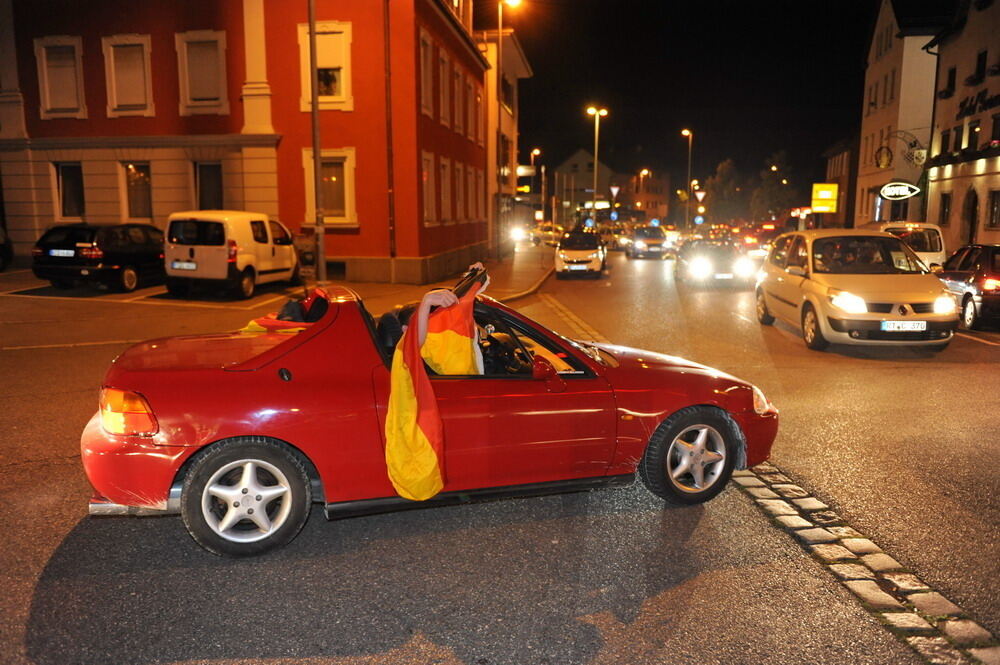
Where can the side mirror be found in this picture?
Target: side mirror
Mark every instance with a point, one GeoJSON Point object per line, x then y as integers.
{"type": "Point", "coordinates": [542, 370]}
{"type": "Point", "coordinates": [798, 271]}
{"type": "Point", "coordinates": [936, 268]}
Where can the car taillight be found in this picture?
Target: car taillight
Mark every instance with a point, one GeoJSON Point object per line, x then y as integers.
{"type": "Point", "coordinates": [37, 251]}
{"type": "Point", "coordinates": [127, 413]}
{"type": "Point", "coordinates": [233, 249]}
{"type": "Point", "coordinates": [92, 252]}
{"type": "Point", "coordinates": [750, 240]}
{"type": "Point", "coordinates": [991, 284]}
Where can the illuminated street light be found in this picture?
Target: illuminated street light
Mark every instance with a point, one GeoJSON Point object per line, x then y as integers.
{"type": "Point", "coordinates": [598, 114]}
{"type": "Point", "coordinates": [687, 204]}
{"type": "Point", "coordinates": [499, 93]}
{"type": "Point", "coordinates": [784, 181]}
{"type": "Point", "coordinates": [774, 167]}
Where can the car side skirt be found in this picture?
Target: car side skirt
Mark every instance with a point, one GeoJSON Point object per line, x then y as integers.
{"type": "Point", "coordinates": [344, 509]}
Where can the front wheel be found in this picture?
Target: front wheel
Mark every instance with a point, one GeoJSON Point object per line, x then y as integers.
{"type": "Point", "coordinates": [763, 315]}
{"type": "Point", "coordinates": [245, 496]}
{"type": "Point", "coordinates": [691, 455]}
{"type": "Point", "coordinates": [970, 317]}
{"type": "Point", "coordinates": [812, 335]}
{"type": "Point", "coordinates": [128, 279]}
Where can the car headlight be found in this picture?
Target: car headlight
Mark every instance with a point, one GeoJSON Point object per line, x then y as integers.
{"type": "Point", "coordinates": [760, 403]}
{"type": "Point", "coordinates": [640, 245]}
{"type": "Point", "coordinates": [593, 255]}
{"type": "Point", "coordinates": [564, 257]}
{"type": "Point", "coordinates": [744, 267]}
{"type": "Point", "coordinates": [700, 267]}
{"type": "Point", "coordinates": [944, 305]}
{"type": "Point", "coordinates": [517, 234]}
{"type": "Point", "coordinates": [848, 302]}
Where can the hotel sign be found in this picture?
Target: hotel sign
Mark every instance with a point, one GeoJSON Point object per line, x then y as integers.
{"type": "Point", "coordinates": [977, 103]}
{"type": "Point", "coordinates": [896, 191]}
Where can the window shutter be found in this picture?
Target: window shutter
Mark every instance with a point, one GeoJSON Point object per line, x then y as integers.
{"type": "Point", "coordinates": [203, 71]}
{"type": "Point", "coordinates": [130, 76]}
{"type": "Point", "coordinates": [60, 62]}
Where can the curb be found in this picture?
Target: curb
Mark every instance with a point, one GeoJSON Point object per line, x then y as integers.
{"type": "Point", "coordinates": [530, 290]}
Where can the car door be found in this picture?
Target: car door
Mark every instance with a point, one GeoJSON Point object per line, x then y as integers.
{"type": "Point", "coordinates": [154, 252]}
{"type": "Point", "coordinates": [282, 249]}
{"type": "Point", "coordinates": [263, 250]}
{"type": "Point", "coordinates": [774, 276]}
{"type": "Point", "coordinates": [959, 273]}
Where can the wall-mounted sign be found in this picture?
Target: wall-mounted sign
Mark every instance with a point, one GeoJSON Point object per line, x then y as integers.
{"type": "Point", "coordinates": [883, 157]}
{"type": "Point", "coordinates": [896, 191]}
{"type": "Point", "coordinates": [824, 197]}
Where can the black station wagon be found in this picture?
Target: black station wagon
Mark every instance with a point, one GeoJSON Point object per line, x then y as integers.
{"type": "Point", "coordinates": [120, 256]}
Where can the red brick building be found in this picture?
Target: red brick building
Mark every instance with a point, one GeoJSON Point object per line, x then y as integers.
{"type": "Point", "coordinates": [118, 110]}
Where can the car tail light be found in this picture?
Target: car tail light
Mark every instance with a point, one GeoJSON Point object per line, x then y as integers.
{"type": "Point", "coordinates": [991, 284]}
{"type": "Point", "coordinates": [750, 240]}
{"type": "Point", "coordinates": [233, 249]}
{"type": "Point", "coordinates": [125, 412]}
{"type": "Point", "coordinates": [92, 252]}
{"type": "Point", "coordinates": [37, 251]}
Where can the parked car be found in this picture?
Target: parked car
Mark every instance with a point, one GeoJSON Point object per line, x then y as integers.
{"type": "Point", "coordinates": [972, 277]}
{"type": "Point", "coordinates": [580, 253]}
{"type": "Point", "coordinates": [854, 287]}
{"type": "Point", "coordinates": [923, 238]}
{"type": "Point", "coordinates": [232, 249]}
{"type": "Point", "coordinates": [708, 261]}
{"type": "Point", "coordinates": [241, 432]}
{"type": "Point", "coordinates": [122, 256]}
{"type": "Point", "coordinates": [6, 249]}
{"type": "Point", "coordinates": [647, 241]}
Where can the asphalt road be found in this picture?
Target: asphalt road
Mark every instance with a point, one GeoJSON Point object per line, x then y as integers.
{"type": "Point", "coordinates": [901, 443]}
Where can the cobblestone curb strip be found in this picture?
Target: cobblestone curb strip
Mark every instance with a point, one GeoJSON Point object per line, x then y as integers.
{"type": "Point", "coordinates": [929, 623]}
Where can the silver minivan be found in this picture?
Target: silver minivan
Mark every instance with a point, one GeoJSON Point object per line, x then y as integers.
{"type": "Point", "coordinates": [233, 249]}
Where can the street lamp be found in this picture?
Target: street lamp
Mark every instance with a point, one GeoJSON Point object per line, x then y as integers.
{"type": "Point", "coordinates": [598, 114]}
{"type": "Point", "coordinates": [687, 204]}
{"type": "Point", "coordinates": [638, 190]}
{"type": "Point", "coordinates": [499, 92]}
{"type": "Point", "coordinates": [535, 153]}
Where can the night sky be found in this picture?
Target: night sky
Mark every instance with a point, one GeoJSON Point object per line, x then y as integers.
{"type": "Point", "coordinates": [749, 78]}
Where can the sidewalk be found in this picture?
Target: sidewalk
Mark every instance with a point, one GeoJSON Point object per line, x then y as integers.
{"type": "Point", "coordinates": [512, 277]}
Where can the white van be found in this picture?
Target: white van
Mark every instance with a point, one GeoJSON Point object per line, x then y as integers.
{"type": "Point", "coordinates": [923, 238]}
{"type": "Point", "coordinates": [234, 249]}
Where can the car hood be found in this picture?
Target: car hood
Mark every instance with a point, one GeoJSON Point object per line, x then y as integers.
{"type": "Point", "coordinates": [888, 288]}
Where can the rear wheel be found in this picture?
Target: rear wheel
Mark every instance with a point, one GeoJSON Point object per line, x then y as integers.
{"type": "Point", "coordinates": [970, 317]}
{"type": "Point", "coordinates": [811, 332]}
{"type": "Point", "coordinates": [246, 285]}
{"type": "Point", "coordinates": [128, 279]}
{"type": "Point", "coordinates": [691, 455]}
{"type": "Point", "coordinates": [763, 315]}
{"type": "Point", "coordinates": [245, 496]}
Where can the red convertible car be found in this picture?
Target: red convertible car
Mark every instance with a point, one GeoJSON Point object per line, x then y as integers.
{"type": "Point", "coordinates": [241, 432]}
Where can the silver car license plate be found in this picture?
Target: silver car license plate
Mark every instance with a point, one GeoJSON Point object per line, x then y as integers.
{"type": "Point", "coordinates": [904, 326]}
{"type": "Point", "coordinates": [184, 265]}
{"type": "Point", "coordinates": [578, 267]}
{"type": "Point", "coordinates": [61, 252]}
{"type": "Point", "coordinates": [723, 275]}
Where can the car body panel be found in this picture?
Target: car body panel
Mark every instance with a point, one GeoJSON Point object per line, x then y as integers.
{"type": "Point", "coordinates": [965, 272]}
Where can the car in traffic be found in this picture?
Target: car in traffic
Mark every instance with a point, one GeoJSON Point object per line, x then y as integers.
{"type": "Point", "coordinates": [233, 250]}
{"type": "Point", "coordinates": [580, 253]}
{"type": "Point", "coordinates": [924, 239]}
{"type": "Point", "coordinates": [711, 262]}
{"type": "Point", "coordinates": [647, 241]}
{"type": "Point", "coordinates": [972, 276]}
{"type": "Point", "coordinates": [546, 232]}
{"type": "Point", "coordinates": [119, 256]}
{"type": "Point", "coordinates": [852, 286]}
{"type": "Point", "coordinates": [241, 432]}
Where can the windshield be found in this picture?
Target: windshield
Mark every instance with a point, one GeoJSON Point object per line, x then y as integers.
{"type": "Point", "coordinates": [704, 248]}
{"type": "Point", "coordinates": [196, 232]}
{"type": "Point", "coordinates": [864, 255]}
{"type": "Point", "coordinates": [919, 240]}
{"type": "Point", "coordinates": [579, 241]}
{"type": "Point", "coordinates": [649, 232]}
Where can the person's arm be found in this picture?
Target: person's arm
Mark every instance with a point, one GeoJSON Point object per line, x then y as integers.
{"type": "Point", "coordinates": [438, 298]}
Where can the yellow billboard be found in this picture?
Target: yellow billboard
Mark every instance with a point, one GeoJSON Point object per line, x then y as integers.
{"type": "Point", "coordinates": [824, 197]}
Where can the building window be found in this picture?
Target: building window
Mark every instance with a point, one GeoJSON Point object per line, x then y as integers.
{"type": "Point", "coordinates": [993, 212]}
{"type": "Point", "coordinates": [128, 75]}
{"type": "Point", "coordinates": [427, 181]}
{"type": "Point", "coordinates": [456, 77]}
{"type": "Point", "coordinates": [337, 185]}
{"type": "Point", "coordinates": [459, 180]}
{"type": "Point", "coordinates": [472, 204]}
{"type": "Point", "coordinates": [885, 90]}
{"type": "Point", "coordinates": [892, 85]}
{"type": "Point", "coordinates": [944, 210]}
{"type": "Point", "coordinates": [980, 73]}
{"type": "Point", "coordinates": [208, 185]}
{"type": "Point", "coordinates": [444, 169]}
{"type": "Point", "coordinates": [507, 93]}
{"type": "Point", "coordinates": [480, 124]}
{"type": "Point", "coordinates": [426, 75]}
{"type": "Point", "coordinates": [333, 66]}
{"type": "Point", "coordinates": [201, 66]}
{"type": "Point", "coordinates": [995, 135]}
{"type": "Point", "coordinates": [974, 130]}
{"type": "Point", "coordinates": [945, 141]}
{"type": "Point", "coordinates": [69, 190]}
{"type": "Point", "coordinates": [470, 111]}
{"type": "Point", "coordinates": [480, 195]}
{"type": "Point", "coordinates": [60, 77]}
{"type": "Point", "coordinates": [957, 138]}
{"type": "Point", "coordinates": [444, 89]}
{"type": "Point", "coordinates": [138, 190]}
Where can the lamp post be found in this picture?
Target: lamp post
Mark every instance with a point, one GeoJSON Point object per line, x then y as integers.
{"type": "Point", "coordinates": [598, 114]}
{"type": "Point", "coordinates": [535, 153]}
{"type": "Point", "coordinates": [500, 164]}
{"type": "Point", "coordinates": [687, 204]}
{"type": "Point", "coordinates": [638, 190]}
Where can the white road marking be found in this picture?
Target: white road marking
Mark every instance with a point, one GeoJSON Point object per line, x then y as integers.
{"type": "Point", "coordinates": [68, 346]}
{"type": "Point", "coordinates": [582, 329]}
{"type": "Point", "coordinates": [977, 339]}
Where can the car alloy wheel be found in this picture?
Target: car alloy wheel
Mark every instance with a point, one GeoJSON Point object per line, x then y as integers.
{"type": "Point", "coordinates": [696, 458]}
{"type": "Point", "coordinates": [129, 279]}
{"type": "Point", "coordinates": [970, 318]}
{"type": "Point", "coordinates": [247, 284]}
{"type": "Point", "coordinates": [763, 315]}
{"type": "Point", "coordinates": [811, 333]}
{"type": "Point", "coordinates": [245, 496]}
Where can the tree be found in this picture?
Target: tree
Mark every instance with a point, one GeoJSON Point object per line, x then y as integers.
{"type": "Point", "coordinates": [726, 193]}
{"type": "Point", "coordinates": [775, 194]}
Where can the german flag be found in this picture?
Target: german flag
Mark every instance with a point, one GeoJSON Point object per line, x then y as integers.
{"type": "Point", "coordinates": [414, 436]}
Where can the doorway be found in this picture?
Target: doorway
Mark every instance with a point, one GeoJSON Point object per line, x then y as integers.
{"type": "Point", "coordinates": [970, 217]}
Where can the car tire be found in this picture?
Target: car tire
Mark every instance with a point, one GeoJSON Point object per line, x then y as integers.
{"type": "Point", "coordinates": [258, 475]}
{"type": "Point", "coordinates": [62, 284]}
{"type": "Point", "coordinates": [128, 280]}
{"type": "Point", "coordinates": [812, 334]}
{"type": "Point", "coordinates": [698, 441]}
{"type": "Point", "coordinates": [970, 317]}
{"type": "Point", "coordinates": [763, 314]}
{"type": "Point", "coordinates": [246, 284]}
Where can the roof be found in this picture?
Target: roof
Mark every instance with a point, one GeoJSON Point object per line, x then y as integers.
{"type": "Point", "coordinates": [923, 17]}
{"type": "Point", "coordinates": [218, 215]}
